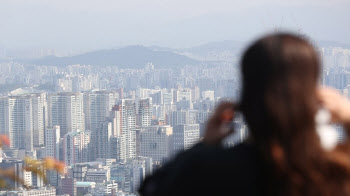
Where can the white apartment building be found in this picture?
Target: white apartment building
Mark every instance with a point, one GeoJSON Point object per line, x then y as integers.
{"type": "Point", "coordinates": [127, 107]}
{"type": "Point", "coordinates": [116, 119]}
{"type": "Point", "coordinates": [208, 95]}
{"type": "Point", "coordinates": [39, 114]}
{"type": "Point", "coordinates": [16, 121]}
{"type": "Point", "coordinates": [52, 138]}
{"type": "Point", "coordinates": [182, 94]}
{"type": "Point", "coordinates": [144, 112]}
{"type": "Point", "coordinates": [66, 110]}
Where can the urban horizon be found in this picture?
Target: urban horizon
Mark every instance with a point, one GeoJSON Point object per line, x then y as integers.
{"type": "Point", "coordinates": [96, 96]}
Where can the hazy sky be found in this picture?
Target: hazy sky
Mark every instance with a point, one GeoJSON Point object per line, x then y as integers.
{"type": "Point", "coordinates": [95, 24]}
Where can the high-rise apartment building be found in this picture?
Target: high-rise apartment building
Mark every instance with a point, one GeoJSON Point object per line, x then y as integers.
{"type": "Point", "coordinates": [118, 148]}
{"type": "Point", "coordinates": [138, 173]}
{"type": "Point", "coordinates": [66, 110]}
{"type": "Point", "coordinates": [195, 93]}
{"type": "Point", "coordinates": [76, 147]}
{"type": "Point", "coordinates": [97, 108]}
{"type": "Point", "coordinates": [16, 120]}
{"type": "Point", "coordinates": [116, 119]}
{"type": "Point", "coordinates": [144, 112]}
{"type": "Point", "coordinates": [127, 107]}
{"type": "Point", "coordinates": [52, 149]}
{"type": "Point", "coordinates": [39, 114]}
{"type": "Point", "coordinates": [52, 142]}
{"type": "Point", "coordinates": [103, 140]}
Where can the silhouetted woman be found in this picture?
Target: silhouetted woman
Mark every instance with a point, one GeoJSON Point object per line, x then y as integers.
{"type": "Point", "coordinates": [285, 154]}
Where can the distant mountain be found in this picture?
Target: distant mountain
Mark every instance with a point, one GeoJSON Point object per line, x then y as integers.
{"type": "Point", "coordinates": [138, 56]}
{"type": "Point", "coordinates": [216, 46]}
{"type": "Point", "coordinates": [231, 51]}
{"type": "Point", "coordinates": [128, 57]}
{"type": "Point", "coordinates": [226, 51]}
{"type": "Point", "coordinates": [160, 48]}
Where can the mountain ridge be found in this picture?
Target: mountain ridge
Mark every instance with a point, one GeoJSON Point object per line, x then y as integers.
{"type": "Point", "coordinates": [135, 56]}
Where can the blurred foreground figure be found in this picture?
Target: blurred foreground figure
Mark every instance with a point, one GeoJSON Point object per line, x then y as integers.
{"type": "Point", "coordinates": [285, 155]}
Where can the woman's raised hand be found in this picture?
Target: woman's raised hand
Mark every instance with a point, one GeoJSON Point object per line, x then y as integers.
{"type": "Point", "coordinates": [223, 114]}
{"type": "Point", "coordinates": [337, 104]}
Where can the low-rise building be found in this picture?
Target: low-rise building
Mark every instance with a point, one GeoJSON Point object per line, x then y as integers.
{"type": "Point", "coordinates": [47, 191]}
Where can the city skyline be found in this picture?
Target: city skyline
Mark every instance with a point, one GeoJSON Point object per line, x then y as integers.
{"type": "Point", "coordinates": [113, 125]}
{"type": "Point", "coordinates": [96, 95]}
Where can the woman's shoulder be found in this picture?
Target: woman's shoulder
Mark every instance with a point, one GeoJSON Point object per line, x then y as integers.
{"type": "Point", "coordinates": [243, 157]}
{"type": "Point", "coordinates": [243, 151]}
{"type": "Point", "coordinates": [209, 168]}
{"type": "Point", "coordinates": [235, 170]}
{"type": "Point", "coordinates": [203, 154]}
{"type": "Point", "coordinates": [240, 152]}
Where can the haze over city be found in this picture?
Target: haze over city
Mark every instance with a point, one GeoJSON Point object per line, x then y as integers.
{"type": "Point", "coordinates": [86, 25]}
{"type": "Point", "coordinates": [98, 95]}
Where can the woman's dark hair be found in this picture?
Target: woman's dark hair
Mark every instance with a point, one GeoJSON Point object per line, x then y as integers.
{"type": "Point", "coordinates": [280, 75]}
